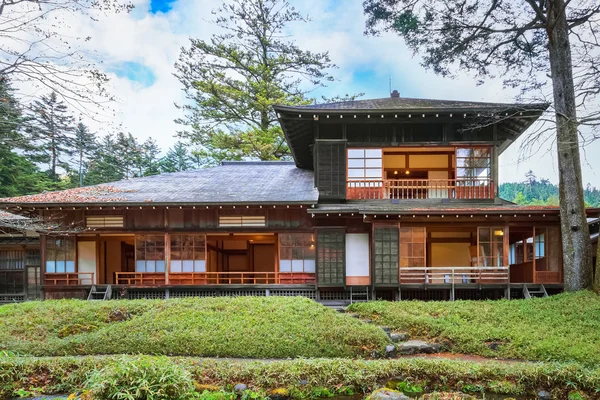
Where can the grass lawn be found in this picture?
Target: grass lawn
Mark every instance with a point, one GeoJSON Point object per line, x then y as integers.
{"type": "Point", "coordinates": [273, 327]}
{"type": "Point", "coordinates": [565, 327]}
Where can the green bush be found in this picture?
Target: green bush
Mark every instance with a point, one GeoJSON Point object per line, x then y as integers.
{"type": "Point", "coordinates": [564, 327]}
{"type": "Point", "coordinates": [271, 327]}
{"type": "Point", "coordinates": [142, 378]}
{"type": "Point", "coordinates": [55, 375]}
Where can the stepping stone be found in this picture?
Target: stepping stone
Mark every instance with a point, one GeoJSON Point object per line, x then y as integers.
{"type": "Point", "coordinates": [388, 394]}
{"type": "Point", "coordinates": [418, 347]}
{"type": "Point", "coordinates": [386, 329]}
{"type": "Point", "coordinates": [398, 337]}
{"type": "Point", "coordinates": [390, 351]}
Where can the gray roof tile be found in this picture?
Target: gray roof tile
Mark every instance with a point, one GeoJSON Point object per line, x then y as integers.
{"type": "Point", "coordinates": [230, 183]}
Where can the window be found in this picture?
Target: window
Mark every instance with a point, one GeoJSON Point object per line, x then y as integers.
{"type": "Point", "coordinates": [104, 221]}
{"type": "Point", "coordinates": [241, 220]}
{"type": "Point", "coordinates": [188, 253]}
{"type": "Point", "coordinates": [365, 164]}
{"type": "Point", "coordinates": [60, 254]}
{"type": "Point", "coordinates": [150, 253]}
{"type": "Point", "coordinates": [386, 254]}
{"type": "Point", "coordinates": [540, 245]}
{"type": "Point", "coordinates": [473, 163]}
{"type": "Point", "coordinates": [412, 247]}
{"type": "Point", "coordinates": [12, 259]}
{"type": "Point", "coordinates": [297, 252]}
{"type": "Point", "coordinates": [491, 247]}
{"type": "Point", "coordinates": [331, 257]}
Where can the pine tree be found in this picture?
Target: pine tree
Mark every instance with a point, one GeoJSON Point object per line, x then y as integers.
{"type": "Point", "coordinates": [105, 165]}
{"type": "Point", "coordinates": [18, 175]}
{"type": "Point", "coordinates": [149, 163]}
{"type": "Point", "coordinates": [177, 159]}
{"type": "Point", "coordinates": [234, 78]}
{"type": "Point", "coordinates": [84, 145]}
{"type": "Point", "coordinates": [50, 129]}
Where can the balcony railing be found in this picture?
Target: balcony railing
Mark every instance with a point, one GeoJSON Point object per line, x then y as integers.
{"type": "Point", "coordinates": [241, 278]}
{"type": "Point", "coordinates": [140, 278]}
{"type": "Point", "coordinates": [69, 279]}
{"type": "Point", "coordinates": [453, 275]}
{"type": "Point", "coordinates": [420, 189]}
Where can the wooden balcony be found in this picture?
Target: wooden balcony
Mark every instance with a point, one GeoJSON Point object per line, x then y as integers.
{"type": "Point", "coordinates": [69, 279]}
{"type": "Point", "coordinates": [454, 275]}
{"type": "Point", "coordinates": [140, 278]}
{"type": "Point", "coordinates": [242, 278]}
{"type": "Point", "coordinates": [409, 189]}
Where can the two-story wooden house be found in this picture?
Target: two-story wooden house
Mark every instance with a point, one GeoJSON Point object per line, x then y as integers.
{"type": "Point", "coordinates": [392, 198]}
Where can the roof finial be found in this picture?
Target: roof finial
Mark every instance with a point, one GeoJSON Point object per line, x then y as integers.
{"type": "Point", "coordinates": [395, 94]}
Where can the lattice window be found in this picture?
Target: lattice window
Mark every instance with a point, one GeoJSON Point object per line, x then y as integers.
{"type": "Point", "coordinates": [491, 247]}
{"type": "Point", "coordinates": [297, 252]}
{"type": "Point", "coordinates": [331, 265]}
{"type": "Point", "coordinates": [188, 253]}
{"type": "Point", "coordinates": [12, 259]}
{"type": "Point", "coordinates": [365, 164]}
{"type": "Point", "coordinates": [60, 254]}
{"type": "Point", "coordinates": [241, 220]}
{"type": "Point", "coordinates": [412, 247]}
{"type": "Point", "coordinates": [385, 258]}
{"type": "Point", "coordinates": [104, 221]}
{"type": "Point", "coordinates": [149, 253]}
{"type": "Point", "coordinates": [473, 163]}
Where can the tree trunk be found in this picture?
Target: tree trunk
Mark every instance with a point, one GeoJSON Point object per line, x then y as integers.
{"type": "Point", "coordinates": [577, 262]}
{"type": "Point", "coordinates": [597, 272]}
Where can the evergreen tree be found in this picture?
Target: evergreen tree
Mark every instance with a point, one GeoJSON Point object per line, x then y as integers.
{"type": "Point", "coordinates": [18, 175]}
{"type": "Point", "coordinates": [84, 145]}
{"type": "Point", "coordinates": [104, 165]}
{"type": "Point", "coordinates": [234, 79]}
{"type": "Point", "coordinates": [149, 163]}
{"type": "Point", "coordinates": [50, 129]}
{"type": "Point", "coordinates": [177, 159]}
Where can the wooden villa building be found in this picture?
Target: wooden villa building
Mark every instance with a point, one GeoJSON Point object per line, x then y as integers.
{"type": "Point", "coordinates": [391, 198]}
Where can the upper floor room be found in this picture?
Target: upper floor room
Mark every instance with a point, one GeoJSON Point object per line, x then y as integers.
{"type": "Point", "coordinates": [401, 148]}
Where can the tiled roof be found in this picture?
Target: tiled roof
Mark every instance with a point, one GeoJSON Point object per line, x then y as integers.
{"type": "Point", "coordinates": [230, 183]}
{"type": "Point", "coordinates": [432, 206]}
{"type": "Point", "coordinates": [408, 104]}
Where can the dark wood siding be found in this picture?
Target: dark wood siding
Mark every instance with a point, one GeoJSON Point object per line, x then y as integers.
{"type": "Point", "coordinates": [145, 219]}
{"type": "Point", "coordinates": [331, 257]}
{"type": "Point", "coordinates": [288, 218]}
{"type": "Point", "coordinates": [331, 168]}
{"type": "Point", "coordinates": [192, 218]}
{"type": "Point", "coordinates": [385, 255]}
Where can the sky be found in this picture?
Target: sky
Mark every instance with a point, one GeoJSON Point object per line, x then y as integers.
{"type": "Point", "coordinates": [138, 52]}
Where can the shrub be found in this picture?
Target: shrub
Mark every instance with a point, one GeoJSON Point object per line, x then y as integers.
{"type": "Point", "coordinates": [144, 378]}
{"type": "Point", "coordinates": [562, 328]}
{"type": "Point", "coordinates": [271, 327]}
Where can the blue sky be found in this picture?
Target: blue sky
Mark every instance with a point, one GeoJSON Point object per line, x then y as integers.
{"type": "Point", "coordinates": [163, 6]}
{"type": "Point", "coordinates": [141, 49]}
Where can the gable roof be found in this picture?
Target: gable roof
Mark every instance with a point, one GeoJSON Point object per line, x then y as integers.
{"type": "Point", "coordinates": [253, 182]}
{"type": "Point", "coordinates": [299, 122]}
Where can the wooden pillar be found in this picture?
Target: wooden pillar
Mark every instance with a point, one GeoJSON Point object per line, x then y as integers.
{"type": "Point", "coordinates": [167, 256]}
{"type": "Point", "coordinates": [495, 174]}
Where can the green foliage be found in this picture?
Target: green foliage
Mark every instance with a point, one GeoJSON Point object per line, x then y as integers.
{"type": "Point", "coordinates": [177, 159]}
{"type": "Point", "coordinates": [50, 128]}
{"type": "Point", "coordinates": [541, 192]}
{"type": "Point", "coordinates": [143, 378]}
{"type": "Point", "coordinates": [233, 80]}
{"type": "Point", "coordinates": [404, 386]}
{"type": "Point", "coordinates": [70, 374]}
{"type": "Point", "coordinates": [564, 327]}
{"type": "Point", "coordinates": [276, 327]}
